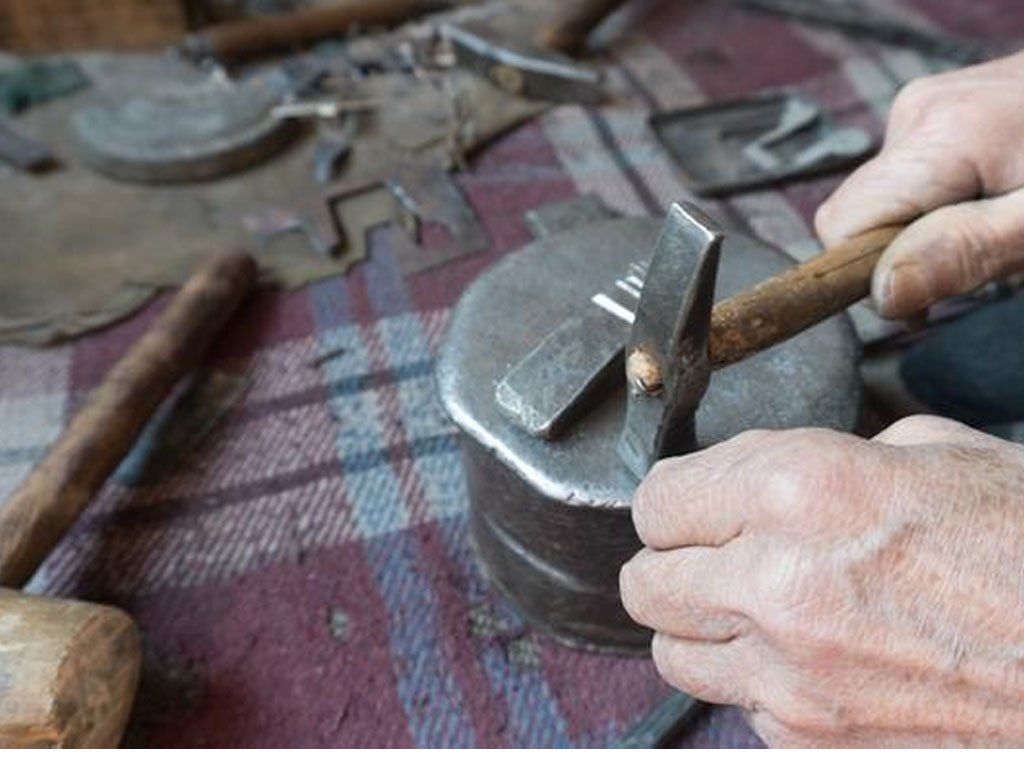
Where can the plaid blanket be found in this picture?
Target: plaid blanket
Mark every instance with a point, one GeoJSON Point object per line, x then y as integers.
{"type": "Point", "coordinates": [304, 578]}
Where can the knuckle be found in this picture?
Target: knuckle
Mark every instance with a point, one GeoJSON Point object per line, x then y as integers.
{"type": "Point", "coordinates": [825, 219]}
{"type": "Point", "coordinates": [973, 241]}
{"type": "Point", "coordinates": [800, 705]}
{"type": "Point", "coordinates": [632, 592]}
{"type": "Point", "coordinates": [654, 502]}
{"type": "Point", "coordinates": [918, 426]}
{"type": "Point", "coordinates": [666, 661]}
{"type": "Point", "coordinates": [918, 97]}
{"type": "Point", "coordinates": [680, 671]}
{"type": "Point", "coordinates": [795, 470]}
{"type": "Point", "coordinates": [798, 603]}
{"type": "Point", "coordinates": [798, 713]}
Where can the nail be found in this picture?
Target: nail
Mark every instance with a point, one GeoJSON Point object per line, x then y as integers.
{"type": "Point", "coordinates": [905, 289]}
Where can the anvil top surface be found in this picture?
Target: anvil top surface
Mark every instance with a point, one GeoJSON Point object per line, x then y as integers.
{"type": "Point", "coordinates": [811, 380]}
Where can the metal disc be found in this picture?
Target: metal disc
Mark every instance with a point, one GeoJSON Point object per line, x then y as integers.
{"type": "Point", "coordinates": [181, 131]}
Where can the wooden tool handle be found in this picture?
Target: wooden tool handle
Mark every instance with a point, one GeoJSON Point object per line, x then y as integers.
{"type": "Point", "coordinates": [784, 305]}
{"type": "Point", "coordinates": [68, 672]}
{"type": "Point", "coordinates": [41, 510]}
{"type": "Point", "coordinates": [568, 30]}
{"type": "Point", "coordinates": [250, 37]}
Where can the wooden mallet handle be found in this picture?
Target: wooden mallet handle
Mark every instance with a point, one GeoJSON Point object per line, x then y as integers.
{"type": "Point", "coordinates": [783, 306]}
{"type": "Point", "coordinates": [567, 31]}
{"type": "Point", "coordinates": [251, 37]}
{"type": "Point", "coordinates": [41, 510]}
{"type": "Point", "coordinates": [68, 669]}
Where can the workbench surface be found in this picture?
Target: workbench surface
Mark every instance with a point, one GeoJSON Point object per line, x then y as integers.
{"type": "Point", "coordinates": [305, 579]}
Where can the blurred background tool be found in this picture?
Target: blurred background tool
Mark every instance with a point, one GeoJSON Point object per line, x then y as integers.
{"type": "Point", "coordinates": [69, 670]}
{"type": "Point", "coordinates": [252, 37]}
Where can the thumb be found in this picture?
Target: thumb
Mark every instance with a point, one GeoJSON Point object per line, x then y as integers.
{"type": "Point", "coordinates": [926, 430]}
{"type": "Point", "coordinates": [950, 251]}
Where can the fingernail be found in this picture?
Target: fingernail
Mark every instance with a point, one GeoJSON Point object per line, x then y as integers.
{"type": "Point", "coordinates": [905, 289]}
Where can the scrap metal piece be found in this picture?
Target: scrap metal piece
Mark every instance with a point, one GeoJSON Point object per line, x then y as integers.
{"type": "Point", "coordinates": [523, 68]}
{"type": "Point", "coordinates": [324, 109]}
{"type": "Point", "coordinates": [797, 115]}
{"type": "Point", "coordinates": [315, 217]}
{"type": "Point", "coordinates": [865, 23]}
{"type": "Point", "coordinates": [834, 147]}
{"type": "Point", "coordinates": [428, 194]}
{"type": "Point", "coordinates": [563, 215]}
{"type": "Point", "coordinates": [746, 144]}
{"type": "Point", "coordinates": [181, 131]}
{"type": "Point", "coordinates": [21, 152]}
{"type": "Point", "coordinates": [574, 365]}
{"type": "Point", "coordinates": [334, 143]}
{"type": "Point", "coordinates": [667, 365]}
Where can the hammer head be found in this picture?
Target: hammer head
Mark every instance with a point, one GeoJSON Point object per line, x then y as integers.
{"type": "Point", "coordinates": [521, 67]}
{"type": "Point", "coordinates": [667, 364]}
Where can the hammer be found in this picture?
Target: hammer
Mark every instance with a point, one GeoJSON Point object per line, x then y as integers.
{"type": "Point", "coordinates": [68, 669]}
{"type": "Point", "coordinates": [680, 336]}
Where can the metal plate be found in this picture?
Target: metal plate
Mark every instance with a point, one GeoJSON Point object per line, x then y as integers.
{"type": "Point", "coordinates": [740, 145]}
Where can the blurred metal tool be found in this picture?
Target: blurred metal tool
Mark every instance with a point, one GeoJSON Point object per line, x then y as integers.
{"type": "Point", "coordinates": [523, 68]}
{"type": "Point", "coordinates": [663, 724]}
{"type": "Point", "coordinates": [757, 141]}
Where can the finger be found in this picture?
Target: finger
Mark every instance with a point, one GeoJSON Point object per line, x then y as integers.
{"type": "Point", "coordinates": [951, 251]}
{"type": "Point", "coordinates": [927, 430]}
{"type": "Point", "coordinates": [690, 593]}
{"type": "Point", "coordinates": [909, 178]}
{"type": "Point", "coordinates": [693, 500]}
{"type": "Point", "coordinates": [779, 735]}
{"type": "Point", "coordinates": [719, 673]}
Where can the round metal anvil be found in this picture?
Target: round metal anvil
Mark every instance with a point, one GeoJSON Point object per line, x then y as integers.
{"type": "Point", "coordinates": [550, 515]}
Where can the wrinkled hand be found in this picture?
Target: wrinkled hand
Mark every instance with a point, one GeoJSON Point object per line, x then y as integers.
{"type": "Point", "coordinates": [845, 592]}
{"type": "Point", "coordinates": [953, 151]}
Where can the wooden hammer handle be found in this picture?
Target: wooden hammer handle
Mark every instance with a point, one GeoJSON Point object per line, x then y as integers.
{"type": "Point", "coordinates": [568, 30]}
{"type": "Point", "coordinates": [250, 37]}
{"type": "Point", "coordinates": [784, 305]}
{"type": "Point", "coordinates": [41, 510]}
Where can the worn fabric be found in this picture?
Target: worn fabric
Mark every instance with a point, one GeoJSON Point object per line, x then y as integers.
{"type": "Point", "coordinates": [972, 369]}
{"type": "Point", "coordinates": [304, 578]}
{"type": "Point", "coordinates": [118, 243]}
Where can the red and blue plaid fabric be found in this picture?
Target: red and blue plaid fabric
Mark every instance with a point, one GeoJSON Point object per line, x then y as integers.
{"type": "Point", "coordinates": [305, 578]}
